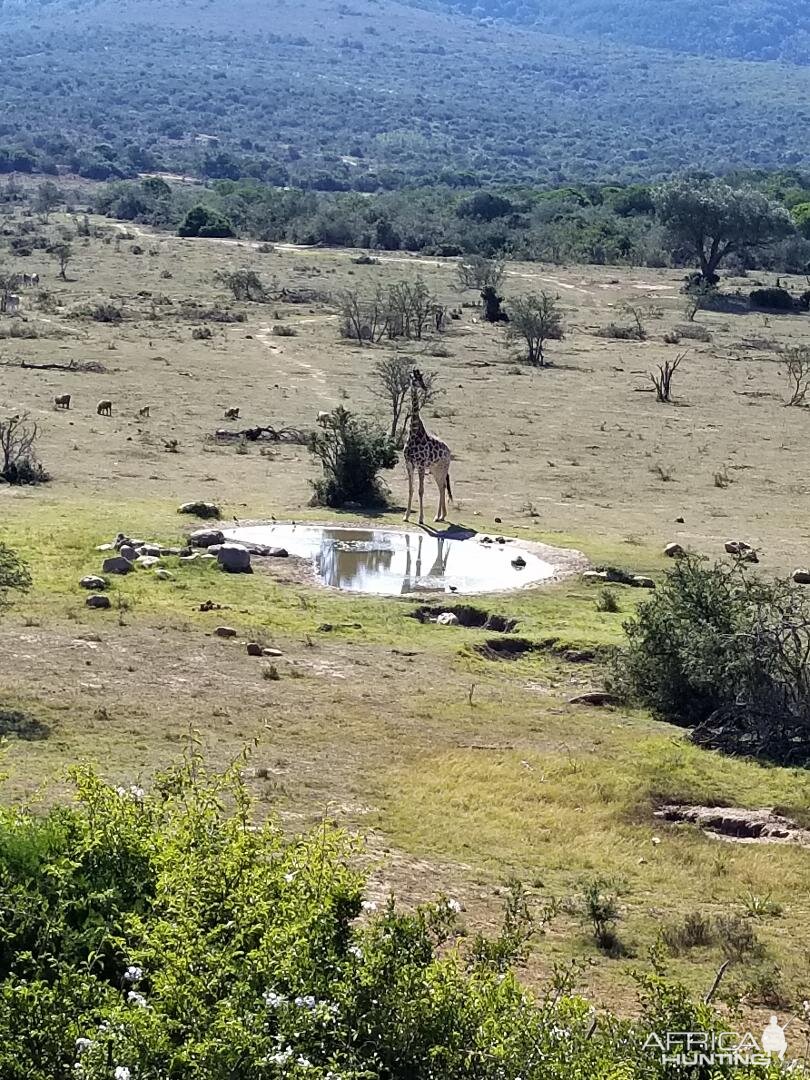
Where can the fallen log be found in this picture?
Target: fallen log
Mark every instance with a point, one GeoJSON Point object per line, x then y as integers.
{"type": "Point", "coordinates": [263, 432]}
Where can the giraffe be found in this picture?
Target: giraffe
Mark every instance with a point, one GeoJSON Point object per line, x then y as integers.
{"type": "Point", "coordinates": [424, 453]}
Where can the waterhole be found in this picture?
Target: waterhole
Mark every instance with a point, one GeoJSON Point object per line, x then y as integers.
{"type": "Point", "coordinates": [391, 562]}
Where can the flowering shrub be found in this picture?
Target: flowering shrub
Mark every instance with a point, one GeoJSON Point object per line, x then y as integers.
{"type": "Point", "coordinates": [163, 935]}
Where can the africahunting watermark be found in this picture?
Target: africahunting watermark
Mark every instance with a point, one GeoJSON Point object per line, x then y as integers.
{"type": "Point", "coordinates": [694, 1048]}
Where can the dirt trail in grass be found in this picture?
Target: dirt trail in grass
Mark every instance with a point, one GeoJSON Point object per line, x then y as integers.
{"type": "Point", "coordinates": [310, 371]}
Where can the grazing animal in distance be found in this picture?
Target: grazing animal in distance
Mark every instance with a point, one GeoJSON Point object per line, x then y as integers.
{"type": "Point", "coordinates": [231, 414]}
{"type": "Point", "coordinates": [62, 401]}
{"type": "Point", "coordinates": [143, 413]}
{"type": "Point", "coordinates": [323, 416]}
{"type": "Point", "coordinates": [104, 408]}
{"type": "Point", "coordinates": [425, 453]}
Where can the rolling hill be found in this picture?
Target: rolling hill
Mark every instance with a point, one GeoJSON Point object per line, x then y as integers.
{"type": "Point", "coordinates": [368, 94]}
{"type": "Point", "coordinates": [738, 29]}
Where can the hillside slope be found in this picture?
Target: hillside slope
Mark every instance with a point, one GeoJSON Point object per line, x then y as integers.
{"type": "Point", "coordinates": [368, 94]}
{"type": "Point", "coordinates": [739, 29]}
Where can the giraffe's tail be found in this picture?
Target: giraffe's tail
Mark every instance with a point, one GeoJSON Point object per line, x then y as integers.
{"type": "Point", "coordinates": [447, 485]}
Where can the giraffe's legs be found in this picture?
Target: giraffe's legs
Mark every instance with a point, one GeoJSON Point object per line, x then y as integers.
{"type": "Point", "coordinates": [440, 476]}
{"type": "Point", "coordinates": [421, 496]}
{"type": "Point", "coordinates": [410, 490]}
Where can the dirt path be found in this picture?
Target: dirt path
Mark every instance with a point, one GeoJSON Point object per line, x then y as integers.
{"type": "Point", "coordinates": [265, 336]}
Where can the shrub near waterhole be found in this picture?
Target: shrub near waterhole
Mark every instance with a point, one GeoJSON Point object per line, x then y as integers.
{"type": "Point", "coordinates": [721, 651]}
{"type": "Point", "coordinates": [162, 934]}
{"type": "Point", "coordinates": [352, 453]}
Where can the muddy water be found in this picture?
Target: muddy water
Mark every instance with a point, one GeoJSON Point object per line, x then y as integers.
{"type": "Point", "coordinates": [394, 563]}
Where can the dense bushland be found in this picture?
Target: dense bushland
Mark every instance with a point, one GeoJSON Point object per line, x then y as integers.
{"type": "Point", "coordinates": [726, 653]}
{"type": "Point", "coordinates": [757, 30]}
{"type": "Point", "coordinates": [588, 224]}
{"type": "Point", "coordinates": [216, 91]}
{"type": "Point", "coordinates": [164, 934]}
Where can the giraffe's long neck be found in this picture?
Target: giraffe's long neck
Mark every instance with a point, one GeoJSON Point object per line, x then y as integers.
{"type": "Point", "coordinates": [417, 428]}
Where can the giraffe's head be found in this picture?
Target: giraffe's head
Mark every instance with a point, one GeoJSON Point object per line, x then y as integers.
{"type": "Point", "coordinates": [417, 380]}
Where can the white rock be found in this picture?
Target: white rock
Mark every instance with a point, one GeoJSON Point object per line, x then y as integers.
{"type": "Point", "coordinates": [234, 559]}
{"type": "Point", "coordinates": [642, 582]}
{"type": "Point", "coordinates": [204, 538]}
{"type": "Point", "coordinates": [447, 618]}
{"type": "Point", "coordinates": [93, 582]}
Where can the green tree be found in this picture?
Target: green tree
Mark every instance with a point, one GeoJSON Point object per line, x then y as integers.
{"type": "Point", "coordinates": [203, 221]}
{"type": "Point", "coordinates": [48, 197]}
{"type": "Point", "coordinates": [10, 281]}
{"type": "Point", "coordinates": [534, 320]}
{"type": "Point", "coordinates": [351, 453]}
{"type": "Point", "coordinates": [801, 216]}
{"type": "Point", "coordinates": [244, 284]}
{"type": "Point", "coordinates": [712, 219]}
{"type": "Point", "coordinates": [156, 187]}
{"type": "Point", "coordinates": [63, 253]}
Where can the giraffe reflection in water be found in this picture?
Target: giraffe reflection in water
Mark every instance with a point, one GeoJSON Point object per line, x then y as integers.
{"type": "Point", "coordinates": [394, 562]}
{"type": "Point", "coordinates": [413, 581]}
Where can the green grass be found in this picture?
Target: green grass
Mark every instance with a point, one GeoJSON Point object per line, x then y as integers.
{"type": "Point", "coordinates": [476, 763]}
{"type": "Point", "coordinates": [520, 811]}
{"type": "Point", "coordinates": [556, 820]}
{"type": "Point", "coordinates": [59, 542]}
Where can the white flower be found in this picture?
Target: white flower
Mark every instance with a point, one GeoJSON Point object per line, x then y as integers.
{"type": "Point", "coordinates": [355, 951]}
{"type": "Point", "coordinates": [121, 791]}
{"type": "Point", "coordinates": [122, 1073]}
{"type": "Point", "coordinates": [306, 1002]}
{"type": "Point", "coordinates": [282, 1057]}
{"type": "Point", "coordinates": [273, 1000]}
{"type": "Point", "coordinates": [368, 905]}
{"type": "Point", "coordinates": [133, 973]}
{"type": "Point", "coordinates": [454, 905]}
{"type": "Point", "coordinates": [83, 1044]}
{"type": "Point", "coordinates": [289, 877]}
{"type": "Point", "coordinates": [305, 1063]}
{"type": "Point", "coordinates": [560, 1033]}
{"type": "Point", "coordinates": [137, 792]}
{"type": "Point", "coordinates": [134, 998]}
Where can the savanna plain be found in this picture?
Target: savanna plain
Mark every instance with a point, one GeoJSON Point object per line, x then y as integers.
{"type": "Point", "coordinates": [461, 769]}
